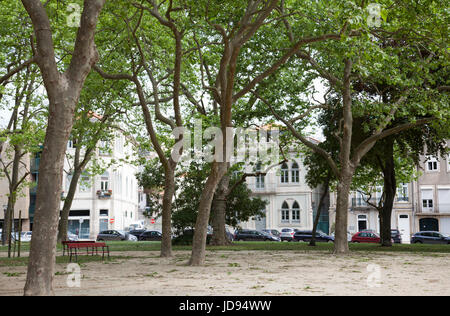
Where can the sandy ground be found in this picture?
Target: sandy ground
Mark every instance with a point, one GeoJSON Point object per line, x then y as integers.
{"type": "Point", "coordinates": [252, 273]}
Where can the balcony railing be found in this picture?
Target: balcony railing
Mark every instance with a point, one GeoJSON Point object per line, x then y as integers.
{"type": "Point", "coordinates": [104, 194]}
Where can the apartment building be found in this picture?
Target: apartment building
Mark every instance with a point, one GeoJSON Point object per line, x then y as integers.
{"type": "Point", "coordinates": [109, 201]}
{"type": "Point", "coordinates": [432, 192]}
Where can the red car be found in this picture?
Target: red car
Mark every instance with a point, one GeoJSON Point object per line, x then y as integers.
{"type": "Point", "coordinates": [366, 237]}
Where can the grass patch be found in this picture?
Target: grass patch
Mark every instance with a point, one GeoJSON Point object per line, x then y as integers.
{"type": "Point", "coordinates": [125, 246]}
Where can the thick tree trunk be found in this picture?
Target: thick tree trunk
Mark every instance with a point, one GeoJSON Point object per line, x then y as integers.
{"type": "Point", "coordinates": [45, 229]}
{"type": "Point", "coordinates": [64, 220]}
{"type": "Point", "coordinates": [218, 170]}
{"type": "Point", "coordinates": [169, 191]}
{"type": "Point", "coordinates": [319, 209]}
{"type": "Point", "coordinates": [343, 191]}
{"type": "Point", "coordinates": [218, 213]}
{"type": "Point", "coordinates": [390, 188]}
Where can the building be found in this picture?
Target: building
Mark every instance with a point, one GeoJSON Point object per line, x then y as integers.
{"type": "Point", "coordinates": [432, 195]}
{"type": "Point", "coordinates": [23, 198]}
{"type": "Point", "coordinates": [363, 216]}
{"type": "Point", "coordinates": [422, 205]}
{"type": "Point", "coordinates": [109, 201]}
{"type": "Point", "coordinates": [291, 202]}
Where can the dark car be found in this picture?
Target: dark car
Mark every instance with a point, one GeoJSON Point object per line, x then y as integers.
{"type": "Point", "coordinates": [186, 237]}
{"type": "Point", "coordinates": [430, 237]}
{"type": "Point", "coordinates": [253, 235]}
{"type": "Point", "coordinates": [306, 236]}
{"type": "Point", "coordinates": [115, 235]}
{"type": "Point", "coordinates": [150, 236]}
{"type": "Point", "coordinates": [137, 232]}
{"type": "Point", "coordinates": [396, 236]}
{"type": "Point", "coordinates": [272, 232]}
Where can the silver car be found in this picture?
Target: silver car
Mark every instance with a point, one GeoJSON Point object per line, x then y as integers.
{"type": "Point", "coordinates": [287, 234]}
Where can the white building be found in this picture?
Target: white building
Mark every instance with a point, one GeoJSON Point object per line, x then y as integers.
{"type": "Point", "coordinates": [107, 201]}
{"type": "Point", "coordinates": [291, 200]}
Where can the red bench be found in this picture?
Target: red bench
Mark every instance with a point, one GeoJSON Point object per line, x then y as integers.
{"type": "Point", "coordinates": [66, 242]}
{"type": "Point", "coordinates": [90, 247]}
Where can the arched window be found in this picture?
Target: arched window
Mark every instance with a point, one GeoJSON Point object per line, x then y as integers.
{"type": "Point", "coordinates": [296, 212]}
{"type": "Point", "coordinates": [284, 173]}
{"type": "Point", "coordinates": [285, 212]}
{"type": "Point", "coordinates": [295, 172]}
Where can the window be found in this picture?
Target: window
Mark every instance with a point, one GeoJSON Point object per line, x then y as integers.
{"type": "Point", "coordinates": [260, 178]}
{"type": "Point", "coordinates": [432, 164]}
{"type": "Point", "coordinates": [427, 200]}
{"type": "Point", "coordinates": [284, 173]}
{"type": "Point", "coordinates": [104, 182]}
{"type": "Point", "coordinates": [296, 212]}
{"type": "Point", "coordinates": [104, 149]}
{"type": "Point", "coordinates": [84, 183]}
{"type": "Point", "coordinates": [295, 172]}
{"type": "Point", "coordinates": [402, 193]}
{"type": "Point", "coordinates": [285, 212]}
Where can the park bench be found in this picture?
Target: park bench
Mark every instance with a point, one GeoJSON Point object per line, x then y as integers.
{"type": "Point", "coordinates": [89, 246]}
{"type": "Point", "coordinates": [66, 242]}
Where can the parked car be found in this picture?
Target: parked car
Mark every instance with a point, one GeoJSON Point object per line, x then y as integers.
{"type": "Point", "coordinates": [117, 235]}
{"type": "Point", "coordinates": [366, 237]}
{"type": "Point", "coordinates": [186, 237]}
{"type": "Point", "coordinates": [287, 234]}
{"type": "Point", "coordinates": [430, 237]}
{"type": "Point", "coordinates": [272, 232]}
{"type": "Point", "coordinates": [137, 232]}
{"type": "Point", "coordinates": [253, 235]}
{"type": "Point", "coordinates": [150, 235]}
{"type": "Point", "coordinates": [396, 236]}
{"type": "Point", "coordinates": [306, 236]}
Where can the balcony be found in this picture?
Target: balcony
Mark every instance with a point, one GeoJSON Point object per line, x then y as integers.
{"type": "Point", "coordinates": [104, 194]}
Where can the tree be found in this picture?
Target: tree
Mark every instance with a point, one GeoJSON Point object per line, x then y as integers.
{"type": "Point", "coordinates": [361, 58]}
{"type": "Point", "coordinates": [63, 91]}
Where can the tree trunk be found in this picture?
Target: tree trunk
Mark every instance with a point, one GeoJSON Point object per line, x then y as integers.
{"type": "Point", "coordinates": [218, 170]}
{"type": "Point", "coordinates": [343, 191]}
{"type": "Point", "coordinates": [169, 191]}
{"type": "Point", "coordinates": [42, 256]}
{"type": "Point", "coordinates": [390, 188]}
{"type": "Point", "coordinates": [218, 214]}
{"type": "Point", "coordinates": [64, 220]}
{"type": "Point", "coordinates": [63, 91]}
{"type": "Point", "coordinates": [13, 186]}
{"type": "Point", "coordinates": [319, 209]}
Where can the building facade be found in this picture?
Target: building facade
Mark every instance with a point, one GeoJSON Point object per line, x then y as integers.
{"type": "Point", "coordinates": [109, 201]}
{"type": "Point", "coordinates": [422, 205]}
{"type": "Point", "coordinates": [432, 192]}
{"type": "Point", "coordinates": [291, 202]}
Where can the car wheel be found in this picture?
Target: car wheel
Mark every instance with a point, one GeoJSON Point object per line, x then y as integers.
{"type": "Point", "coordinates": [418, 242]}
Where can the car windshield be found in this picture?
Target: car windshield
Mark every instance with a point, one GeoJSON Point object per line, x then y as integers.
{"type": "Point", "coordinates": [445, 235]}
{"type": "Point", "coordinates": [286, 230]}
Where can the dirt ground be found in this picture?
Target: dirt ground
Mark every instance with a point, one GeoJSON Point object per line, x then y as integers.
{"type": "Point", "coordinates": [251, 273]}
